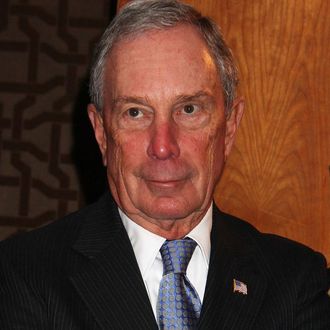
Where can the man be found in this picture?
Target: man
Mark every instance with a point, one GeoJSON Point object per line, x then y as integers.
{"type": "Point", "coordinates": [165, 114]}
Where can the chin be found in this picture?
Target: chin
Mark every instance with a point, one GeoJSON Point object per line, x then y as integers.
{"type": "Point", "coordinates": [168, 209]}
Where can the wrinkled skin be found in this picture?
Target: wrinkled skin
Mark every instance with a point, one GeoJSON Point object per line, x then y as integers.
{"type": "Point", "coordinates": [162, 132]}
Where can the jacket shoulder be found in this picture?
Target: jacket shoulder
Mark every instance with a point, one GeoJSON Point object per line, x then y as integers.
{"type": "Point", "coordinates": [54, 239]}
{"type": "Point", "coordinates": [274, 250]}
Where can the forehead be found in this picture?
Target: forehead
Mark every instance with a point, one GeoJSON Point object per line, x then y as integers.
{"type": "Point", "coordinates": [172, 59]}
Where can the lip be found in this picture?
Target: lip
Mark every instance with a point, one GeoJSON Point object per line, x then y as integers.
{"type": "Point", "coordinates": [166, 183]}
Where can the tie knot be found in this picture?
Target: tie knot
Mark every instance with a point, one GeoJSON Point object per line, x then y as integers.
{"type": "Point", "coordinates": [176, 255]}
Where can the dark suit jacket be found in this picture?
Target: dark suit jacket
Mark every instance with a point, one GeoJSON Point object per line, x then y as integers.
{"type": "Point", "coordinates": [81, 273]}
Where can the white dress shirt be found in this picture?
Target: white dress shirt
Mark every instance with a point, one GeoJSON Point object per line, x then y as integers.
{"type": "Point", "coordinates": [146, 247]}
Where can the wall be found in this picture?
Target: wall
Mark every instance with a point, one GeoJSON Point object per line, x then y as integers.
{"type": "Point", "coordinates": [277, 176]}
{"type": "Point", "coordinates": [49, 163]}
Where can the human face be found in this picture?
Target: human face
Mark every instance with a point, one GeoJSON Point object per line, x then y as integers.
{"type": "Point", "coordinates": [163, 132]}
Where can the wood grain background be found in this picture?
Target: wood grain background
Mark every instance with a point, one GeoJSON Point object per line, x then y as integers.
{"type": "Point", "coordinates": [277, 177]}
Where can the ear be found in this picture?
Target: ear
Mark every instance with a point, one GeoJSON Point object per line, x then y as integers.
{"type": "Point", "coordinates": [96, 120]}
{"type": "Point", "coordinates": [232, 123]}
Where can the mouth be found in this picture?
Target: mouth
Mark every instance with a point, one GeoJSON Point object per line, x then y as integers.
{"type": "Point", "coordinates": [166, 183]}
{"type": "Point", "coordinates": [165, 180]}
{"type": "Point", "coordinates": [168, 186]}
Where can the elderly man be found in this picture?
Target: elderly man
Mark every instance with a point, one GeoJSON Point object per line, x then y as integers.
{"type": "Point", "coordinates": [155, 252]}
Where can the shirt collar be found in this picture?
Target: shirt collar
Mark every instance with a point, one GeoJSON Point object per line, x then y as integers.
{"type": "Point", "coordinates": [146, 244]}
{"type": "Point", "coordinates": [201, 234]}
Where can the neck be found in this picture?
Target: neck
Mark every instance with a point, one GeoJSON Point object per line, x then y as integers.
{"type": "Point", "coordinates": [170, 229]}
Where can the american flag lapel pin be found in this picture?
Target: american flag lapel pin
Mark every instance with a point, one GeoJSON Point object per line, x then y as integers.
{"type": "Point", "coordinates": [239, 287]}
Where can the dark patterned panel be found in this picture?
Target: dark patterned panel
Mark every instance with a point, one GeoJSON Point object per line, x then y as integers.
{"type": "Point", "coordinates": [46, 170]}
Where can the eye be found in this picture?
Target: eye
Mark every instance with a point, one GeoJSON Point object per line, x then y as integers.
{"type": "Point", "coordinates": [190, 108]}
{"type": "Point", "coordinates": [134, 113]}
{"type": "Point", "coordinates": [192, 115]}
{"type": "Point", "coordinates": [134, 117]}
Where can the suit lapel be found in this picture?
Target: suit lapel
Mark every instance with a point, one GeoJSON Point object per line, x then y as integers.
{"type": "Point", "coordinates": [107, 273]}
{"type": "Point", "coordinates": [108, 278]}
{"type": "Point", "coordinates": [232, 257]}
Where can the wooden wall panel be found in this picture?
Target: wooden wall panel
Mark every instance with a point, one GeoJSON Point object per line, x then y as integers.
{"type": "Point", "coordinates": [278, 174]}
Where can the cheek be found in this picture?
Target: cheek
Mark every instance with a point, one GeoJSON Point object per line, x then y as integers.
{"type": "Point", "coordinates": [206, 151]}
{"type": "Point", "coordinates": [206, 146]}
{"type": "Point", "coordinates": [125, 151]}
{"type": "Point", "coordinates": [217, 144]}
{"type": "Point", "coordinates": [113, 156]}
{"type": "Point", "coordinates": [217, 155]}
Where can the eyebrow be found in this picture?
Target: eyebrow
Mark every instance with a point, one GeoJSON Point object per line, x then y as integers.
{"type": "Point", "coordinates": [145, 100]}
{"type": "Point", "coordinates": [197, 95]}
{"type": "Point", "coordinates": [130, 99]}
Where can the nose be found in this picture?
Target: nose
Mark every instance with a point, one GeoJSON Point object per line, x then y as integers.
{"type": "Point", "coordinates": [163, 143]}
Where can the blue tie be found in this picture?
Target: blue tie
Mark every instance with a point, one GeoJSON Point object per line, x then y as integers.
{"type": "Point", "coordinates": [178, 305]}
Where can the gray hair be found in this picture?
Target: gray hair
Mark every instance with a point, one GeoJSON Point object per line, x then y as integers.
{"type": "Point", "coordinates": [144, 15]}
